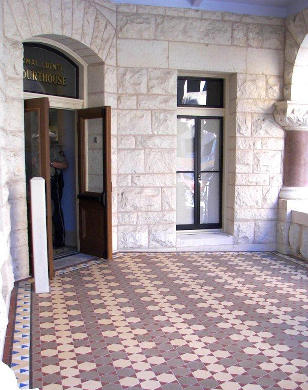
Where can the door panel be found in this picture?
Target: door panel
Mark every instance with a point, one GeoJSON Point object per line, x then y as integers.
{"type": "Point", "coordinates": [38, 158]}
{"type": "Point", "coordinates": [199, 172]}
{"type": "Point", "coordinates": [209, 193]}
{"type": "Point", "coordinates": [94, 144]}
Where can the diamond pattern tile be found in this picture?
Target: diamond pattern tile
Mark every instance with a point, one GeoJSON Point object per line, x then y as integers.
{"type": "Point", "coordinates": [20, 362]}
{"type": "Point", "coordinates": [173, 321]}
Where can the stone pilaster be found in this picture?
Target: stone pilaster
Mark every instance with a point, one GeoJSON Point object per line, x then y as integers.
{"type": "Point", "coordinates": [293, 118]}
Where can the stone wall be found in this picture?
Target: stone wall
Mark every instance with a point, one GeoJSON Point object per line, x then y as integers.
{"type": "Point", "coordinates": [153, 45]}
{"type": "Point", "coordinates": [6, 274]}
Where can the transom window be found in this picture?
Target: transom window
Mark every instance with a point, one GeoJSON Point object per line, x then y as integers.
{"type": "Point", "coordinates": [199, 156]}
{"type": "Point", "coordinates": [200, 92]}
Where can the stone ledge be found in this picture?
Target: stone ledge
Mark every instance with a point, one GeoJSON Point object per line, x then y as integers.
{"type": "Point", "coordinates": [298, 234]}
{"type": "Point", "coordinates": [299, 217]}
{"type": "Point", "coordinates": [196, 239]}
{"type": "Point", "coordinates": [230, 248]}
{"type": "Point", "coordinates": [207, 248]}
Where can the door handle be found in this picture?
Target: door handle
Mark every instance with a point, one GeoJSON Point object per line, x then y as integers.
{"type": "Point", "coordinates": [102, 199]}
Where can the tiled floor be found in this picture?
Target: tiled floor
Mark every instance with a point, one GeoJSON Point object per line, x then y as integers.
{"type": "Point", "coordinates": [20, 361]}
{"type": "Point", "coordinates": [174, 321]}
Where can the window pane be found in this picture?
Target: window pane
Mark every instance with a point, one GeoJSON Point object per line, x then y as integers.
{"type": "Point", "coordinates": [210, 144]}
{"type": "Point", "coordinates": [209, 198]}
{"type": "Point", "coordinates": [32, 145]}
{"type": "Point", "coordinates": [185, 198]}
{"type": "Point", "coordinates": [95, 170]}
{"type": "Point", "coordinates": [200, 92]}
{"type": "Point", "coordinates": [214, 93]}
{"type": "Point", "coordinates": [185, 144]}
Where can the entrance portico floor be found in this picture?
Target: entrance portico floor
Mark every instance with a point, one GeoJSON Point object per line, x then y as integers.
{"type": "Point", "coordinates": [173, 321]}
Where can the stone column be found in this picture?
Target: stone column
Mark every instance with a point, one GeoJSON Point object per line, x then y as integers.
{"type": "Point", "coordinates": [293, 118]}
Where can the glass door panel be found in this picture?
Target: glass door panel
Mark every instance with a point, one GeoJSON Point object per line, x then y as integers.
{"type": "Point", "coordinates": [94, 146]}
{"type": "Point", "coordinates": [210, 144]}
{"type": "Point", "coordinates": [185, 198]}
{"type": "Point", "coordinates": [37, 159]}
{"type": "Point", "coordinates": [95, 167]}
{"type": "Point", "coordinates": [199, 163]}
{"type": "Point", "coordinates": [185, 144]}
{"type": "Point", "coordinates": [210, 198]}
{"type": "Point", "coordinates": [32, 145]}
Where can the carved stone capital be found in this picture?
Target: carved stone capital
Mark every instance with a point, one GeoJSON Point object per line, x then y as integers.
{"type": "Point", "coordinates": [291, 115]}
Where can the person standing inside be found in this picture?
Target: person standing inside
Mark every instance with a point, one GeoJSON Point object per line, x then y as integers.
{"type": "Point", "coordinates": [58, 163]}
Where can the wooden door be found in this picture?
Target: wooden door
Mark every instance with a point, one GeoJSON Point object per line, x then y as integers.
{"type": "Point", "coordinates": [94, 174]}
{"type": "Point", "coordinates": [38, 159]}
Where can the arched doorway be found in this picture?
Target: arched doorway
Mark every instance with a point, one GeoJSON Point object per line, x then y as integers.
{"type": "Point", "coordinates": [69, 146]}
{"type": "Point", "coordinates": [84, 27]}
{"type": "Point", "coordinates": [292, 115]}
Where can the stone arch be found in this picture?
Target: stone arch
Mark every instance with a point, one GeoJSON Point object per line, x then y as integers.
{"type": "Point", "coordinates": [91, 23]}
{"type": "Point", "coordinates": [300, 74]}
{"type": "Point", "coordinates": [296, 55]}
{"type": "Point", "coordinates": [87, 28]}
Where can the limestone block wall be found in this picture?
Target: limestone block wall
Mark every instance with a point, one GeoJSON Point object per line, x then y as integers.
{"type": "Point", "coordinates": [15, 157]}
{"type": "Point", "coordinates": [153, 45]}
{"type": "Point", "coordinates": [6, 271]}
{"type": "Point", "coordinates": [259, 144]}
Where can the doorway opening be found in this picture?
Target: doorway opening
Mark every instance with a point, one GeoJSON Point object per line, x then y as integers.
{"type": "Point", "coordinates": [62, 134]}
{"type": "Point", "coordinates": [69, 146]}
{"type": "Point", "coordinates": [78, 216]}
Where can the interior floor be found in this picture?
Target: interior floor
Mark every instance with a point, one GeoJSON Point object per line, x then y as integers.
{"type": "Point", "coordinates": [71, 260]}
{"type": "Point", "coordinates": [59, 253]}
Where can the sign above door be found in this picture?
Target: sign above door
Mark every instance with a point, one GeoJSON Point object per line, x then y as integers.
{"type": "Point", "coordinates": [48, 71]}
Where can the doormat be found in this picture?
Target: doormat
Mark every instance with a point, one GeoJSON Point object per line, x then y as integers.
{"type": "Point", "coordinates": [71, 261]}
{"type": "Point", "coordinates": [65, 251]}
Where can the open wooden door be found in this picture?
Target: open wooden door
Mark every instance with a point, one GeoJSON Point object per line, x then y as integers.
{"type": "Point", "coordinates": [37, 151]}
{"type": "Point", "coordinates": [94, 168]}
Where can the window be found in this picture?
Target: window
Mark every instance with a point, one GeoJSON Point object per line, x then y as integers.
{"type": "Point", "coordinates": [199, 161]}
{"type": "Point", "coordinates": [200, 92]}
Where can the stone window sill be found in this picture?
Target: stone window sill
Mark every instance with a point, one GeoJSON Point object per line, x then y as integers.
{"type": "Point", "coordinates": [203, 240]}
{"type": "Point", "coordinates": [299, 217]}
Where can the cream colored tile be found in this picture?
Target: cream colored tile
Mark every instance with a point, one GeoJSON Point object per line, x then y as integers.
{"type": "Point", "coordinates": [145, 375]}
{"type": "Point", "coordinates": [202, 374]}
{"type": "Point", "coordinates": [129, 382]}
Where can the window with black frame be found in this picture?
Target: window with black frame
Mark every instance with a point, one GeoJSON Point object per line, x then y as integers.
{"type": "Point", "coordinates": [200, 92]}
{"type": "Point", "coordinates": [199, 171]}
